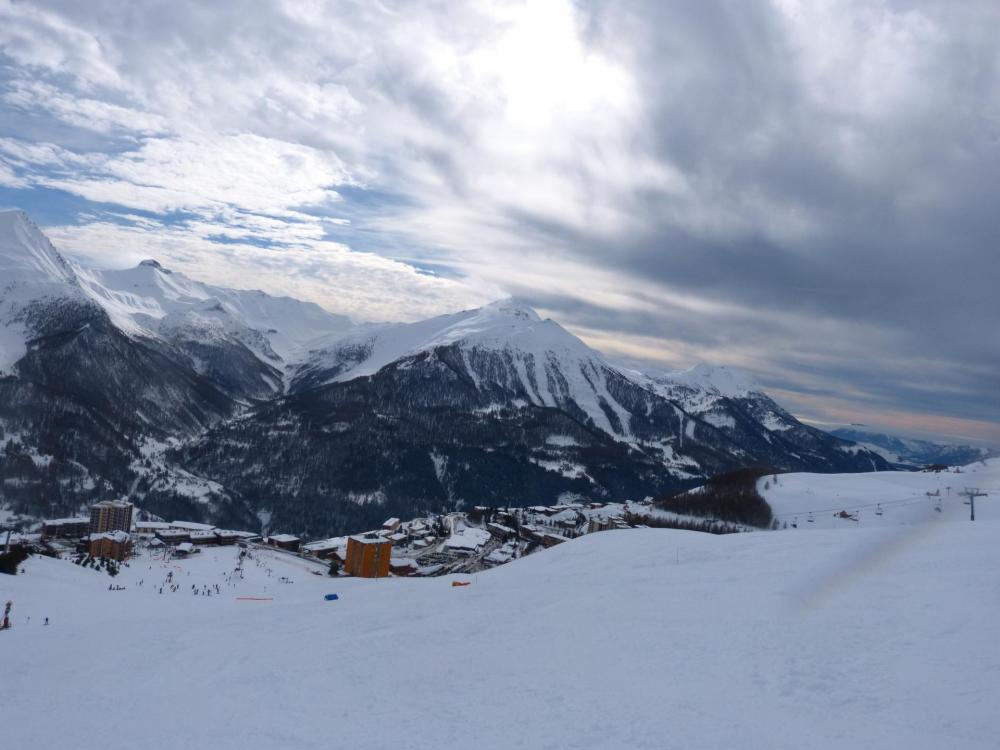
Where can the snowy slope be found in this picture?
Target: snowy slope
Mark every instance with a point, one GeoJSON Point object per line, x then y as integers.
{"type": "Point", "coordinates": [912, 451]}
{"type": "Point", "coordinates": [32, 274]}
{"type": "Point", "coordinates": [643, 638]}
{"type": "Point", "coordinates": [882, 498]}
{"type": "Point", "coordinates": [148, 301]}
{"type": "Point", "coordinates": [152, 300]}
{"type": "Point", "coordinates": [701, 388]}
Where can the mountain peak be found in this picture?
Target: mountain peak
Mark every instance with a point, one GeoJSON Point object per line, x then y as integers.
{"type": "Point", "coordinates": [713, 379]}
{"type": "Point", "coordinates": [151, 263]}
{"type": "Point", "coordinates": [26, 253]}
{"type": "Point", "coordinates": [511, 307]}
{"type": "Point", "coordinates": [725, 380]}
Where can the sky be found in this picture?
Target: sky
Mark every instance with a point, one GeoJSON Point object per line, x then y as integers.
{"type": "Point", "coordinates": [804, 190]}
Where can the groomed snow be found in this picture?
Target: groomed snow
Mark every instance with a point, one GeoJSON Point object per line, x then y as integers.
{"type": "Point", "coordinates": [646, 638]}
{"type": "Point", "coordinates": [882, 498]}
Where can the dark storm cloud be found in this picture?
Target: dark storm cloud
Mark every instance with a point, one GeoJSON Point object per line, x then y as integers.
{"type": "Point", "coordinates": [902, 230]}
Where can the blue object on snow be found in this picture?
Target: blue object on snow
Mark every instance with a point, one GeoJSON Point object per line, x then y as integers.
{"type": "Point", "coordinates": [330, 597]}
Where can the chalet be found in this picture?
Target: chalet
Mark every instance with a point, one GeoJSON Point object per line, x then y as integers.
{"type": "Point", "coordinates": [466, 541]}
{"type": "Point", "coordinates": [500, 531]}
{"type": "Point", "coordinates": [391, 525]}
{"type": "Point", "coordinates": [116, 545]}
{"type": "Point", "coordinates": [184, 549]}
{"type": "Point", "coordinates": [402, 566]}
{"type": "Point", "coordinates": [398, 539]}
{"type": "Point", "coordinates": [65, 528]}
{"type": "Point", "coordinates": [285, 542]}
{"type": "Point", "coordinates": [530, 533]}
{"type": "Point", "coordinates": [567, 518]}
{"type": "Point", "coordinates": [328, 549]}
{"type": "Point", "coordinates": [500, 556]}
{"type": "Point", "coordinates": [551, 540]}
{"type": "Point", "coordinates": [368, 557]}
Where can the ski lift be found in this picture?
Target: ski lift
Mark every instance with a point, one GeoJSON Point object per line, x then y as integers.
{"type": "Point", "coordinates": [878, 509]}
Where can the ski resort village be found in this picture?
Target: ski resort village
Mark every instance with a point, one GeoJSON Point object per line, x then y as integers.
{"type": "Point", "coordinates": [859, 613]}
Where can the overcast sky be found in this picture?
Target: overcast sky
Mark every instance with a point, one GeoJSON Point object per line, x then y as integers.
{"type": "Point", "coordinates": [809, 191]}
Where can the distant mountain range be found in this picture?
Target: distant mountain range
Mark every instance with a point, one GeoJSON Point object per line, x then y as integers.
{"type": "Point", "coordinates": [239, 408]}
{"type": "Point", "coordinates": [906, 452]}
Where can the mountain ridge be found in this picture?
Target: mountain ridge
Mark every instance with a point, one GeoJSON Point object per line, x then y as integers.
{"type": "Point", "coordinates": [208, 402]}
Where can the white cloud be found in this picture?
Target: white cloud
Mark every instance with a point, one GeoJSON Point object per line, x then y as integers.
{"type": "Point", "coordinates": [362, 285]}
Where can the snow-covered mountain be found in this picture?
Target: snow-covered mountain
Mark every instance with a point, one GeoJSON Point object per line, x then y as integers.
{"type": "Point", "coordinates": [33, 275]}
{"type": "Point", "coordinates": [502, 344]}
{"type": "Point", "coordinates": [231, 403]}
{"type": "Point", "coordinates": [909, 452]}
{"type": "Point", "coordinates": [150, 300]}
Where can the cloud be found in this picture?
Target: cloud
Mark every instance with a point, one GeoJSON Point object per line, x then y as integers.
{"type": "Point", "coordinates": [803, 189]}
{"type": "Point", "coordinates": [362, 285]}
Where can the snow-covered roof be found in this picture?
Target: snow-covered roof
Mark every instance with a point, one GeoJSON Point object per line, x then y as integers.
{"type": "Point", "coordinates": [565, 515]}
{"type": "Point", "coordinates": [63, 521]}
{"type": "Point", "coordinates": [499, 556]}
{"type": "Point", "coordinates": [283, 538]}
{"type": "Point", "coordinates": [391, 522]}
{"type": "Point", "coordinates": [324, 544]}
{"type": "Point", "coordinates": [114, 536]}
{"type": "Point", "coordinates": [152, 525]}
{"type": "Point", "coordinates": [467, 539]}
{"type": "Point", "coordinates": [366, 540]}
{"type": "Point", "coordinates": [191, 525]}
{"type": "Point", "coordinates": [403, 562]}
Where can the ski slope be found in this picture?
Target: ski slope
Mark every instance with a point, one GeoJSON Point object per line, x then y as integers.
{"type": "Point", "coordinates": [642, 638]}
{"type": "Point", "coordinates": [884, 498]}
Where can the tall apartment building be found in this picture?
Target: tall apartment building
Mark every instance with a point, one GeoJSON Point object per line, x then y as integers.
{"type": "Point", "coordinates": [368, 558]}
{"type": "Point", "coordinates": [111, 515]}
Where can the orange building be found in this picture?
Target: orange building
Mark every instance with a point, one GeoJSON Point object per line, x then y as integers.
{"type": "Point", "coordinates": [114, 544]}
{"type": "Point", "coordinates": [368, 558]}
